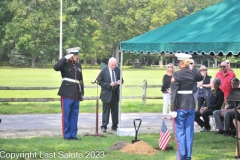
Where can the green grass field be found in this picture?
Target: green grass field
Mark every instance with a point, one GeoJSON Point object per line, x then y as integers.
{"type": "Point", "coordinates": [206, 146]}
{"type": "Point", "coordinates": [28, 77]}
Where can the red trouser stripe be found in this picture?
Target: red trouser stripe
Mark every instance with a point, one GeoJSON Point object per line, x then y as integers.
{"type": "Point", "coordinates": [62, 99]}
{"type": "Point", "coordinates": [175, 136]}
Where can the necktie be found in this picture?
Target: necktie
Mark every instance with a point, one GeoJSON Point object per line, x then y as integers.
{"type": "Point", "coordinates": [114, 80]}
{"type": "Point", "coordinates": [113, 76]}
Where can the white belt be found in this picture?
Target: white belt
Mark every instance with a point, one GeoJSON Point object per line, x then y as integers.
{"type": "Point", "coordinates": [184, 92]}
{"type": "Point", "coordinates": [70, 80]}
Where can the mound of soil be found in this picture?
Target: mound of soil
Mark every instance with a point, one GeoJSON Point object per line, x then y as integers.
{"type": "Point", "coordinates": [139, 147]}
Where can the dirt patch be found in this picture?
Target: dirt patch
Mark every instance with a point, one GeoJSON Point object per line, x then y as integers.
{"type": "Point", "coordinates": [139, 147]}
{"type": "Point", "coordinates": [119, 145]}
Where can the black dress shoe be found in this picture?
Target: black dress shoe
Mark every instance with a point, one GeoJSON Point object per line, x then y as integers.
{"type": "Point", "coordinates": [103, 130]}
{"type": "Point", "coordinates": [204, 130]}
{"type": "Point", "coordinates": [76, 138]}
{"type": "Point", "coordinates": [114, 129]}
{"type": "Point", "coordinates": [220, 132]}
{"type": "Point", "coordinates": [227, 133]}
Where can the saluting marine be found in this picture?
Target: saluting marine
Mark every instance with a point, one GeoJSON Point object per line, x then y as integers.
{"type": "Point", "coordinates": [71, 92]}
{"type": "Point", "coordinates": [183, 104]}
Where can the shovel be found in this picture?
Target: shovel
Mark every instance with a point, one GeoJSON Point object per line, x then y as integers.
{"type": "Point", "coordinates": [136, 129]}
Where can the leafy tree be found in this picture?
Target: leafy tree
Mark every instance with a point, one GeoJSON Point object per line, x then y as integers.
{"type": "Point", "coordinates": [5, 18]}
{"type": "Point", "coordinates": [31, 26]}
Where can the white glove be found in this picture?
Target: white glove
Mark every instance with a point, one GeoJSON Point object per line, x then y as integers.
{"type": "Point", "coordinates": [68, 56]}
{"type": "Point", "coordinates": [173, 114]}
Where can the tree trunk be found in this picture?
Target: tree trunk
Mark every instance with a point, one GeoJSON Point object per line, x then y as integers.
{"type": "Point", "coordinates": [33, 62]}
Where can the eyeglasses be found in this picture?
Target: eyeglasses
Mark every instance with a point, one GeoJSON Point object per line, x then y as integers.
{"type": "Point", "coordinates": [191, 63]}
{"type": "Point", "coordinates": [222, 66]}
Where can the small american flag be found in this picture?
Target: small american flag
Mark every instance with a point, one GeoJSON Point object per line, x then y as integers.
{"type": "Point", "coordinates": [165, 137]}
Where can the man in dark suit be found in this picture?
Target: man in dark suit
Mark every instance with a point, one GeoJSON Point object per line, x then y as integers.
{"type": "Point", "coordinates": [109, 80]}
{"type": "Point", "coordinates": [71, 92]}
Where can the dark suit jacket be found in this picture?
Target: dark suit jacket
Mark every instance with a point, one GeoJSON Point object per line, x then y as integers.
{"type": "Point", "coordinates": [104, 80]}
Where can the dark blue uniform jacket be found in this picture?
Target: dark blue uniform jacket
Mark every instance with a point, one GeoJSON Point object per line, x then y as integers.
{"type": "Point", "coordinates": [185, 79]}
{"type": "Point", "coordinates": [70, 70]}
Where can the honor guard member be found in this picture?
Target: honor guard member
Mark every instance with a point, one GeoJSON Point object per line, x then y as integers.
{"type": "Point", "coordinates": [71, 92]}
{"type": "Point", "coordinates": [183, 105]}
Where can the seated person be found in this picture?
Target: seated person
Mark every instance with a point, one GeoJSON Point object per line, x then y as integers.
{"type": "Point", "coordinates": [226, 114]}
{"type": "Point", "coordinates": [213, 102]}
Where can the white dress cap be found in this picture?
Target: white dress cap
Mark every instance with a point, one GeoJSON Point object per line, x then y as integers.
{"type": "Point", "coordinates": [183, 56]}
{"type": "Point", "coordinates": [73, 50]}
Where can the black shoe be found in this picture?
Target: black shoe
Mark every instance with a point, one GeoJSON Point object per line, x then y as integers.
{"type": "Point", "coordinates": [220, 132]}
{"type": "Point", "coordinates": [67, 139]}
{"type": "Point", "coordinates": [103, 130]}
{"type": "Point", "coordinates": [205, 130]}
{"type": "Point", "coordinates": [227, 133]}
{"type": "Point", "coordinates": [233, 133]}
{"type": "Point", "coordinates": [114, 129]}
{"type": "Point", "coordinates": [76, 138]}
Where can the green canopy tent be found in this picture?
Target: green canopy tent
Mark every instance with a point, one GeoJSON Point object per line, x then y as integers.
{"type": "Point", "coordinates": [211, 31]}
{"type": "Point", "coordinates": [214, 30]}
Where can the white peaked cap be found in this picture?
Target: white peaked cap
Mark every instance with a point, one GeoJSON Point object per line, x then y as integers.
{"type": "Point", "coordinates": [73, 50]}
{"type": "Point", "coordinates": [183, 56]}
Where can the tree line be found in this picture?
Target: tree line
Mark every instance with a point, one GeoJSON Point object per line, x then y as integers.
{"type": "Point", "coordinates": [30, 29]}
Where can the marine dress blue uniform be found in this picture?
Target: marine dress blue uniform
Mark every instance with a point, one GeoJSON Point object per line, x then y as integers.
{"type": "Point", "coordinates": [182, 101]}
{"type": "Point", "coordinates": [71, 92]}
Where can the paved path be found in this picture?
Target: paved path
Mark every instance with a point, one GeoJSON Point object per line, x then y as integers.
{"type": "Point", "coordinates": [48, 123]}
{"type": "Point", "coordinates": [85, 120]}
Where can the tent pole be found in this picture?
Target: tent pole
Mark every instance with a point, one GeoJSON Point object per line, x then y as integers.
{"type": "Point", "coordinates": [120, 94]}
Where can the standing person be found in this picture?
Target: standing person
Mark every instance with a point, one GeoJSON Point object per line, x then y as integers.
{"type": "Point", "coordinates": [71, 92]}
{"type": "Point", "coordinates": [204, 86]}
{"type": "Point", "coordinates": [228, 64]}
{"type": "Point", "coordinates": [166, 91]}
{"type": "Point", "coordinates": [183, 103]}
{"type": "Point", "coordinates": [195, 89]}
{"type": "Point", "coordinates": [225, 75]}
{"type": "Point", "coordinates": [109, 80]}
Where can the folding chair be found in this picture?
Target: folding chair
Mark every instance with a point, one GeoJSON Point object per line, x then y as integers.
{"type": "Point", "coordinates": [213, 122]}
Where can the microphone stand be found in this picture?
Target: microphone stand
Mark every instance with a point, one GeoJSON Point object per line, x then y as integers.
{"type": "Point", "coordinates": [96, 129]}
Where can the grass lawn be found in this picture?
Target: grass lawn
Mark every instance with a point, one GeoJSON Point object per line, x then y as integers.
{"type": "Point", "coordinates": [207, 146]}
{"type": "Point", "coordinates": [29, 77]}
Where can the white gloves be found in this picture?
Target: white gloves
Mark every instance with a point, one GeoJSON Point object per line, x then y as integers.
{"type": "Point", "coordinates": [68, 56]}
{"type": "Point", "coordinates": [173, 114]}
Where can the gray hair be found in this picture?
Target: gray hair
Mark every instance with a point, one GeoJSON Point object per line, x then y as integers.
{"type": "Point", "coordinates": [217, 80]}
{"type": "Point", "coordinates": [112, 59]}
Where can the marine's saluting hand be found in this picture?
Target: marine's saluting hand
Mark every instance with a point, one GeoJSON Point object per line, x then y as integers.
{"type": "Point", "coordinates": [68, 56]}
